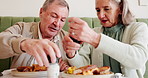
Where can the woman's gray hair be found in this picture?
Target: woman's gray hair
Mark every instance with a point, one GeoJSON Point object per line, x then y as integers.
{"type": "Point", "coordinates": [127, 15]}
{"type": "Point", "coordinates": [60, 2]}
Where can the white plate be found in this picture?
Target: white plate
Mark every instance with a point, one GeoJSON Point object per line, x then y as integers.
{"type": "Point", "coordinates": [29, 74]}
{"type": "Point", "coordinates": [64, 75]}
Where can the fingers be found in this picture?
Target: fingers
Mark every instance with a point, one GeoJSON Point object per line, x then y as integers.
{"type": "Point", "coordinates": [38, 59]}
{"type": "Point", "coordinates": [55, 48]}
{"type": "Point", "coordinates": [63, 65]}
{"type": "Point", "coordinates": [74, 26]}
{"type": "Point", "coordinates": [74, 34]}
{"type": "Point", "coordinates": [39, 55]}
{"type": "Point", "coordinates": [50, 52]}
{"type": "Point", "coordinates": [70, 47]}
{"type": "Point", "coordinates": [76, 23]}
{"type": "Point", "coordinates": [53, 51]}
{"type": "Point", "coordinates": [78, 28]}
{"type": "Point", "coordinates": [71, 53]}
{"type": "Point", "coordinates": [67, 39]}
{"type": "Point", "coordinates": [40, 49]}
{"type": "Point", "coordinates": [75, 20]}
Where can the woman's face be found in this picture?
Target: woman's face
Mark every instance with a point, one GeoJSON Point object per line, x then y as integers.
{"type": "Point", "coordinates": [107, 12]}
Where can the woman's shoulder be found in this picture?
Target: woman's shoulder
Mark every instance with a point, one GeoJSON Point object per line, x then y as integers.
{"type": "Point", "coordinates": [137, 24]}
{"type": "Point", "coordinates": [136, 27]}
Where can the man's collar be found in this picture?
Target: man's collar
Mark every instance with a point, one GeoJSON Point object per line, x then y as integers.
{"type": "Point", "coordinates": [55, 38]}
{"type": "Point", "coordinates": [39, 32]}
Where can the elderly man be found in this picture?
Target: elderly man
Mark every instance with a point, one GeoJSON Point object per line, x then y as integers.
{"type": "Point", "coordinates": [30, 43]}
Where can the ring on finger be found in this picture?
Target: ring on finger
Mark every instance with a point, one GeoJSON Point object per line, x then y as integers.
{"type": "Point", "coordinates": [73, 33]}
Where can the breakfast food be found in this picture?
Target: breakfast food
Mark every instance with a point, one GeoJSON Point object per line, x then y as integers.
{"type": "Point", "coordinates": [89, 70]}
{"type": "Point", "coordinates": [70, 70]}
{"type": "Point", "coordinates": [33, 68]}
{"type": "Point", "coordinates": [86, 70]}
{"type": "Point", "coordinates": [104, 70]}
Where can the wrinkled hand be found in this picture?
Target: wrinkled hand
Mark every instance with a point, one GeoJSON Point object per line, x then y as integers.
{"type": "Point", "coordinates": [80, 30]}
{"type": "Point", "coordinates": [40, 49]}
{"type": "Point", "coordinates": [63, 65]}
{"type": "Point", "coordinates": [70, 47]}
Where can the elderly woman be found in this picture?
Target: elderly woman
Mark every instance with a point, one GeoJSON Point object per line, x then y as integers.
{"type": "Point", "coordinates": [120, 43]}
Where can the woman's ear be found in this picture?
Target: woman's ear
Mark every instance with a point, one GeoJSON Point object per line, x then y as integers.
{"type": "Point", "coordinates": [121, 7]}
{"type": "Point", "coordinates": [120, 12]}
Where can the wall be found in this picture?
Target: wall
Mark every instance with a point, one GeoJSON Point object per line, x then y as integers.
{"type": "Point", "coordinates": [78, 8]}
{"type": "Point", "coordinates": [20, 7]}
{"type": "Point", "coordinates": [139, 11]}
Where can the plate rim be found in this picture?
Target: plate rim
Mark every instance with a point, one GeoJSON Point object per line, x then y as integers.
{"type": "Point", "coordinates": [63, 74]}
{"type": "Point", "coordinates": [28, 74]}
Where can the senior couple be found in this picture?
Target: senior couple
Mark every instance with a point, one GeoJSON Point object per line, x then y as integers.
{"type": "Point", "coordinates": [120, 42]}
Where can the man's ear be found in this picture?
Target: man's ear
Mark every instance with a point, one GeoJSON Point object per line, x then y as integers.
{"type": "Point", "coordinates": [41, 11]}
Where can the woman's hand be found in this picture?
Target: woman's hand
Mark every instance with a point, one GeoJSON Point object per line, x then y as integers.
{"type": "Point", "coordinates": [70, 47]}
{"type": "Point", "coordinates": [80, 30]}
{"type": "Point", "coordinates": [63, 65]}
{"type": "Point", "coordinates": [40, 49]}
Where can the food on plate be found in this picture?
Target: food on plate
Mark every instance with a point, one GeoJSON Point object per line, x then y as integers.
{"type": "Point", "coordinates": [104, 70]}
{"type": "Point", "coordinates": [24, 69]}
{"type": "Point", "coordinates": [70, 70]}
{"type": "Point", "coordinates": [33, 68]}
{"type": "Point", "coordinates": [89, 70]}
{"type": "Point", "coordinates": [86, 70]}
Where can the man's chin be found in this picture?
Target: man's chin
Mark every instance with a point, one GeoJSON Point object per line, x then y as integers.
{"type": "Point", "coordinates": [49, 36]}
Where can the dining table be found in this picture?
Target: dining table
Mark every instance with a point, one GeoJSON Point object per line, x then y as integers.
{"type": "Point", "coordinates": [8, 74]}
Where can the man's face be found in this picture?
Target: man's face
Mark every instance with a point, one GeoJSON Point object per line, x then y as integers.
{"type": "Point", "coordinates": [107, 12]}
{"type": "Point", "coordinates": [52, 20]}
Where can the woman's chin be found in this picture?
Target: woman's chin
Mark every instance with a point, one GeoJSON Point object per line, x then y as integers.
{"type": "Point", "coordinates": [106, 25]}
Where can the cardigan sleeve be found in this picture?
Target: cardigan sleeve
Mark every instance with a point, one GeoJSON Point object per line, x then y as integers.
{"type": "Point", "coordinates": [133, 51]}
{"type": "Point", "coordinates": [82, 56]}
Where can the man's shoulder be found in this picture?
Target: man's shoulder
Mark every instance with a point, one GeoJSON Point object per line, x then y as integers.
{"type": "Point", "coordinates": [26, 23]}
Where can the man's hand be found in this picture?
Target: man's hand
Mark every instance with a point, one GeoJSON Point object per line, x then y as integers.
{"type": "Point", "coordinates": [40, 49]}
{"type": "Point", "coordinates": [70, 47]}
{"type": "Point", "coordinates": [63, 65]}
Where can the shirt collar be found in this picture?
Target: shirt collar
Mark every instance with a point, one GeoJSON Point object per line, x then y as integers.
{"type": "Point", "coordinates": [55, 38]}
{"type": "Point", "coordinates": [39, 32]}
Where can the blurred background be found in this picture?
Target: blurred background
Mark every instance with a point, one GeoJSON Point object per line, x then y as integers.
{"type": "Point", "coordinates": [78, 8]}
